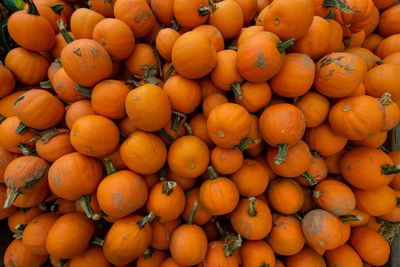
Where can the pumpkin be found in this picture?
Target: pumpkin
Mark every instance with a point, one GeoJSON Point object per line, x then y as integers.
{"type": "Point", "coordinates": [170, 262]}
{"type": "Point", "coordinates": [395, 182]}
{"type": "Point", "coordinates": [260, 56]}
{"type": "Point", "coordinates": [28, 67]}
{"type": "Point", "coordinates": [116, 37]}
{"type": "Point", "coordinates": [35, 233]}
{"type": "Point", "coordinates": [121, 193]}
{"type": "Point", "coordinates": [213, 34]}
{"type": "Point", "coordinates": [382, 79]}
{"type": "Point", "coordinates": [247, 32]}
{"type": "Point", "coordinates": [151, 258]}
{"type": "Point", "coordinates": [369, 57]}
{"type": "Point", "coordinates": [211, 101]}
{"type": "Point", "coordinates": [149, 107]}
{"type": "Point", "coordinates": [348, 117]}
{"type": "Point", "coordinates": [30, 30]}
{"type": "Point", "coordinates": [228, 124]}
{"type": "Point", "coordinates": [208, 88]}
{"type": "Point", "coordinates": [251, 179]}
{"type": "Point", "coordinates": [336, 37]}
{"type": "Point", "coordinates": [93, 255]}
{"type": "Point", "coordinates": [104, 8]}
{"type": "Point", "coordinates": [322, 229]}
{"type": "Point", "coordinates": [254, 96]}
{"type": "Point", "coordinates": [66, 88]}
{"type": "Point", "coordinates": [166, 200]}
{"type": "Point", "coordinates": [344, 255]}
{"type": "Point", "coordinates": [163, 10]}
{"type": "Point", "coordinates": [282, 125]}
{"type": "Point", "coordinates": [193, 55]}
{"type": "Point", "coordinates": [34, 107]}
{"type": "Point", "coordinates": [188, 14]}
{"type": "Point", "coordinates": [226, 160]}
{"type": "Point", "coordinates": [372, 41]}
{"type": "Point", "coordinates": [370, 245]}
{"type": "Point", "coordinates": [60, 42]}
{"type": "Point", "coordinates": [74, 175]}
{"type": "Point", "coordinates": [316, 173]}
{"type": "Point", "coordinates": [7, 81]}
{"type": "Point", "coordinates": [127, 239]}
{"type": "Point", "coordinates": [22, 216]}
{"type": "Point", "coordinates": [394, 215]}
{"type": "Point", "coordinates": [289, 189]}
{"type": "Point", "coordinates": [257, 253]}
{"type": "Point", "coordinates": [161, 233]}
{"type": "Point", "coordinates": [392, 59]}
{"type": "Point", "coordinates": [142, 57]}
{"type": "Point", "coordinates": [252, 219]}
{"type": "Point", "coordinates": [279, 19]}
{"type": "Point", "coordinates": [201, 217]}
{"type": "Point", "coordinates": [315, 108]}
{"type": "Point", "coordinates": [13, 142]}
{"type": "Point", "coordinates": [286, 237]}
{"type": "Point", "coordinates": [388, 46]}
{"type": "Point", "coordinates": [17, 254]}
{"type": "Point", "coordinates": [306, 257]}
{"type": "Point", "coordinates": [324, 140]}
{"type": "Point", "coordinates": [126, 126]}
{"type": "Point", "coordinates": [5, 158]}
{"type": "Point", "coordinates": [377, 202]}
{"type": "Point", "coordinates": [253, 146]}
{"type": "Point", "coordinates": [296, 67]}
{"type": "Point", "coordinates": [218, 195]}
{"type": "Point", "coordinates": [83, 21]}
{"type": "Point", "coordinates": [198, 124]}
{"type": "Point", "coordinates": [5, 212]}
{"type": "Point", "coordinates": [224, 254]}
{"type": "Point", "coordinates": [183, 182]}
{"type": "Point", "coordinates": [165, 41]}
{"type": "Point", "coordinates": [383, 4]}
{"type": "Point", "coordinates": [7, 104]}
{"type": "Point", "coordinates": [77, 110]}
{"type": "Point", "coordinates": [354, 40]}
{"type": "Point", "coordinates": [69, 236]}
{"type": "Point", "coordinates": [335, 197]}
{"type": "Point", "coordinates": [54, 144]}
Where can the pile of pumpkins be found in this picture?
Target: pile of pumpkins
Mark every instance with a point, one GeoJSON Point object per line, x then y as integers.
{"type": "Point", "coordinates": [200, 133]}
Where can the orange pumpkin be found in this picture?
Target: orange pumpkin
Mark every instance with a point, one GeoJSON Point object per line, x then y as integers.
{"type": "Point", "coordinates": [83, 21]}
{"type": "Point", "coordinates": [323, 140]}
{"type": "Point", "coordinates": [93, 255]}
{"type": "Point", "coordinates": [315, 108]}
{"type": "Point", "coordinates": [254, 96]}
{"type": "Point", "coordinates": [5, 212]}
{"type": "Point", "coordinates": [257, 253]}
{"type": "Point", "coordinates": [188, 15]}
{"type": "Point", "coordinates": [66, 88]}
{"type": "Point", "coordinates": [382, 79]}
{"type": "Point", "coordinates": [141, 58]}
{"type": "Point", "coordinates": [251, 179]}
{"type": "Point", "coordinates": [201, 217]}
{"type": "Point", "coordinates": [77, 110]}
{"type": "Point", "coordinates": [213, 34]}
{"type": "Point", "coordinates": [289, 189]}
{"type": "Point", "coordinates": [161, 233]}
{"type": "Point", "coordinates": [372, 41]}
{"type": "Point", "coordinates": [17, 254]}
{"type": "Point", "coordinates": [199, 128]}
{"type": "Point", "coordinates": [165, 41]}
{"type": "Point", "coordinates": [377, 202]}
{"type": "Point", "coordinates": [369, 57]}
{"type": "Point", "coordinates": [211, 101]}
{"type": "Point", "coordinates": [163, 10]}
{"type": "Point", "coordinates": [306, 257]}
{"type": "Point", "coordinates": [7, 81]}
{"type": "Point", "coordinates": [13, 142]}
{"type": "Point", "coordinates": [151, 257]}
{"type": "Point", "coordinates": [224, 254]}
{"type": "Point", "coordinates": [344, 255]}
{"type": "Point", "coordinates": [54, 144]}
{"type": "Point", "coordinates": [388, 46]}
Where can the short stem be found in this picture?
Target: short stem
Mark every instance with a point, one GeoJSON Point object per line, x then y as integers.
{"type": "Point", "coordinates": [232, 243]}
{"type": "Point", "coordinates": [21, 129]}
{"type": "Point", "coordinates": [63, 30]}
{"type": "Point", "coordinates": [282, 46]}
{"type": "Point", "coordinates": [62, 262]}
{"type": "Point", "coordinates": [47, 135]}
{"type": "Point", "coordinates": [221, 229]}
{"type": "Point", "coordinates": [168, 187]}
{"type": "Point", "coordinates": [296, 99]}
{"type": "Point", "coordinates": [175, 25]}
{"type": "Point", "coordinates": [212, 173]}
{"type": "Point", "coordinates": [11, 197]}
{"type": "Point", "coordinates": [247, 142]}
{"type": "Point", "coordinates": [97, 241]}
{"type": "Point", "coordinates": [235, 87]}
{"type": "Point", "coordinates": [317, 194]}
{"type": "Point", "coordinates": [32, 9]}
{"type": "Point", "coordinates": [193, 213]}
{"type": "Point", "coordinates": [338, 4]}
{"type": "Point", "coordinates": [178, 119]}
{"type": "Point", "coordinates": [25, 150]}
{"type": "Point", "coordinates": [42, 206]}
{"type": "Point", "coordinates": [148, 253]}
{"type": "Point", "coordinates": [145, 220]}
{"type": "Point", "coordinates": [18, 235]}
{"type": "Point", "coordinates": [163, 133]}
{"type": "Point", "coordinates": [170, 70]}
{"type": "Point", "coordinates": [163, 172]}
{"type": "Point", "coordinates": [391, 169]}
{"type": "Point", "coordinates": [309, 178]}
{"type": "Point", "coordinates": [188, 128]}
{"type": "Point", "coordinates": [282, 154]}
{"type": "Point", "coordinates": [252, 207]}
{"type": "Point", "coordinates": [46, 85]}
{"type": "Point", "coordinates": [84, 91]}
{"type": "Point", "coordinates": [2, 118]}
{"type": "Point", "coordinates": [350, 218]}
{"type": "Point", "coordinates": [380, 62]}
{"type": "Point", "coordinates": [265, 265]}
{"type": "Point", "coordinates": [58, 8]}
{"type": "Point", "coordinates": [110, 168]}
{"type": "Point", "coordinates": [85, 204]}
{"type": "Point", "coordinates": [20, 227]}
{"type": "Point", "coordinates": [386, 99]}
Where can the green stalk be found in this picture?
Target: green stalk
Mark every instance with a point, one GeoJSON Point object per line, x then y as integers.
{"type": "Point", "coordinates": [145, 220]}
{"type": "Point", "coordinates": [170, 70]}
{"type": "Point", "coordinates": [97, 241]}
{"type": "Point", "coordinates": [163, 133]}
{"type": "Point", "coordinates": [247, 142]}
{"type": "Point", "coordinates": [235, 87]}
{"type": "Point", "coordinates": [211, 172]}
{"type": "Point", "coordinates": [178, 119]}
{"type": "Point", "coordinates": [25, 150]}
{"type": "Point", "coordinates": [386, 99]}
{"type": "Point", "coordinates": [110, 168]}
{"type": "Point", "coordinates": [232, 243]}
{"type": "Point", "coordinates": [32, 9]}
{"type": "Point", "coordinates": [11, 197]}
{"type": "Point", "coordinates": [309, 178]}
{"type": "Point", "coordinates": [338, 4]}
{"type": "Point", "coordinates": [193, 212]}
{"type": "Point", "coordinates": [282, 46]}
{"type": "Point", "coordinates": [148, 253]}
{"type": "Point", "coordinates": [58, 8]}
{"type": "Point", "coordinates": [391, 169]}
{"type": "Point", "coordinates": [46, 85]}
{"type": "Point", "coordinates": [21, 129]}
{"type": "Point", "coordinates": [86, 207]}
{"type": "Point", "coordinates": [2, 118]}
{"type": "Point", "coordinates": [84, 91]}
{"type": "Point", "coordinates": [350, 218]}
{"type": "Point", "coordinates": [63, 30]}
{"type": "Point", "coordinates": [252, 207]}
{"type": "Point", "coordinates": [282, 154]}
{"type": "Point", "coordinates": [168, 187]}
{"type": "Point", "coordinates": [175, 25]}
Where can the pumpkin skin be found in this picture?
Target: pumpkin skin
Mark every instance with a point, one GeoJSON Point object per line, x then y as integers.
{"type": "Point", "coordinates": [10, 140]}
{"type": "Point", "coordinates": [93, 255]}
{"type": "Point", "coordinates": [279, 19]}
{"type": "Point", "coordinates": [5, 158]}
{"type": "Point", "coordinates": [362, 167]}
{"type": "Point", "coordinates": [388, 46]}
{"type": "Point", "coordinates": [382, 79]}
{"type": "Point", "coordinates": [245, 33]}
{"type": "Point", "coordinates": [252, 226]}
{"type": "Point", "coordinates": [255, 96]}
{"type": "Point", "coordinates": [286, 237]}
{"type": "Point", "coordinates": [324, 140]}
{"type": "Point", "coordinates": [170, 262]}
{"type": "Point", "coordinates": [228, 124]}
{"type": "Point", "coordinates": [35, 233]}
{"type": "Point", "coordinates": [336, 37]}
{"type": "Point", "coordinates": [339, 74]}
{"type": "Point", "coordinates": [34, 107]}
{"type": "Point", "coordinates": [126, 240]}
{"type": "Point", "coordinates": [372, 41]}
{"type": "Point", "coordinates": [17, 254]}
{"type": "Point", "coordinates": [116, 37]}
{"type": "Point", "coordinates": [344, 255]}
{"type": "Point", "coordinates": [4, 213]}
{"type": "Point", "coordinates": [143, 153]}
{"type": "Point", "coordinates": [225, 73]}
{"type": "Point", "coordinates": [256, 253]}
{"type": "Point", "coordinates": [377, 202]}
{"type": "Point", "coordinates": [211, 101]}
{"type": "Point", "coordinates": [227, 18]}
{"type": "Point", "coordinates": [199, 128]}
{"type": "Point", "coordinates": [165, 41]}
{"type": "Point", "coordinates": [213, 34]}
{"type": "Point", "coordinates": [7, 81]}
{"type": "Point", "coordinates": [64, 86]}
{"type": "Point", "coordinates": [368, 249]}
{"type": "Point", "coordinates": [154, 259]}
{"type": "Point", "coordinates": [74, 175]}
{"type": "Point", "coordinates": [69, 236]}
{"type": "Point", "coordinates": [142, 55]}
{"type": "Point", "coordinates": [251, 179]}
{"type": "Point", "coordinates": [187, 13]}
{"type": "Point", "coordinates": [296, 67]}
{"type": "Point", "coordinates": [77, 110]}
{"type": "Point", "coordinates": [122, 193]}
{"type": "Point", "coordinates": [394, 215]}
{"type": "Point", "coordinates": [225, 160]}
{"type": "Point", "coordinates": [315, 108]}
{"type": "Point", "coordinates": [335, 197]}
{"type": "Point", "coordinates": [216, 256]}
{"type": "Point", "coordinates": [28, 67]}
{"type": "Point", "coordinates": [193, 55]}
{"type": "Point", "coordinates": [348, 117]}
{"type": "Point", "coordinates": [83, 21]}
{"type": "Point", "coordinates": [159, 238]}
{"type": "Point", "coordinates": [306, 257]}
{"type": "Point", "coordinates": [7, 103]}
{"type": "Point", "coordinates": [59, 45]}
{"type": "Point", "coordinates": [183, 249]}
{"type": "Point", "coordinates": [392, 59]}
{"type": "Point", "coordinates": [289, 189]}
{"type": "Point", "coordinates": [369, 57]}
{"type": "Point", "coordinates": [22, 216]}
{"type": "Point", "coordinates": [31, 31]}
{"type": "Point", "coordinates": [322, 229]}
{"type": "Point", "coordinates": [166, 200]}
{"type": "Point", "coordinates": [201, 217]}
{"type": "Point", "coordinates": [149, 107]}
{"type": "Point", "coordinates": [163, 10]}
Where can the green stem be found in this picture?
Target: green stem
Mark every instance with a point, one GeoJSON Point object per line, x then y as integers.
{"type": "Point", "coordinates": [32, 9]}
{"type": "Point", "coordinates": [145, 220]}
{"type": "Point", "coordinates": [282, 46]}
{"type": "Point", "coordinates": [18, 235]}
{"type": "Point", "coordinates": [193, 213]}
{"type": "Point", "coordinates": [252, 207]}
{"type": "Point", "coordinates": [350, 218]}
{"type": "Point", "coordinates": [110, 168]}
{"type": "Point", "coordinates": [97, 241]}
{"type": "Point", "coordinates": [232, 243]}
{"type": "Point", "coordinates": [282, 154]}
{"type": "Point", "coordinates": [163, 133]}
{"type": "Point", "coordinates": [235, 87]}
{"type": "Point", "coordinates": [168, 187]}
{"type": "Point", "coordinates": [47, 135]}
{"type": "Point", "coordinates": [58, 8]}
{"type": "Point", "coordinates": [170, 70]}
{"type": "Point", "coordinates": [247, 142]}
{"type": "Point", "coordinates": [46, 85]}
{"type": "Point", "coordinates": [380, 62]}
{"type": "Point", "coordinates": [207, 10]}
{"type": "Point", "coordinates": [391, 169]}
{"type": "Point", "coordinates": [84, 91]}
{"type": "Point", "coordinates": [42, 206]}
{"type": "Point", "coordinates": [148, 253]}
{"type": "Point", "coordinates": [2, 118]}
{"type": "Point", "coordinates": [175, 25]}
{"type": "Point", "coordinates": [25, 150]}
{"type": "Point", "coordinates": [21, 129]}
{"type": "Point", "coordinates": [296, 99]}
{"type": "Point", "coordinates": [386, 99]}
{"type": "Point", "coordinates": [265, 265]}
{"type": "Point", "coordinates": [309, 178]}
{"type": "Point", "coordinates": [178, 119]}
{"type": "Point", "coordinates": [20, 227]}
{"type": "Point", "coordinates": [338, 4]}
{"type": "Point", "coordinates": [11, 197]}
{"type": "Point", "coordinates": [212, 173]}
{"type": "Point", "coordinates": [221, 229]}
{"type": "Point", "coordinates": [163, 173]}
{"type": "Point", "coordinates": [63, 30]}
{"type": "Point", "coordinates": [62, 262]}
{"type": "Point", "coordinates": [85, 204]}
{"type": "Point", "coordinates": [188, 128]}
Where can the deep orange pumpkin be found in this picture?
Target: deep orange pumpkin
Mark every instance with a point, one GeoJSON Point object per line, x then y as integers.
{"type": "Point", "coordinates": [83, 21]}
{"type": "Point", "coordinates": [17, 254]}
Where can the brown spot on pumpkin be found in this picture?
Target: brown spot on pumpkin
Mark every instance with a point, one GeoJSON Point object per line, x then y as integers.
{"type": "Point", "coordinates": [261, 61]}
{"type": "Point", "coordinates": [78, 52]}
{"type": "Point", "coordinates": [330, 73]}
{"type": "Point", "coordinates": [94, 52]}
{"type": "Point", "coordinates": [141, 17]}
{"type": "Point", "coordinates": [277, 21]}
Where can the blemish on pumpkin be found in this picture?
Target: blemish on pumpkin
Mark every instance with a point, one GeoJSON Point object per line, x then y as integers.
{"type": "Point", "coordinates": [192, 165]}
{"type": "Point", "coordinates": [94, 52]}
{"type": "Point", "coordinates": [57, 179]}
{"type": "Point", "coordinates": [221, 134]}
{"type": "Point", "coordinates": [277, 21]}
{"type": "Point", "coordinates": [330, 73]}
{"type": "Point", "coordinates": [117, 197]}
{"type": "Point", "coordinates": [261, 61]}
{"type": "Point", "coordinates": [77, 52]}
{"type": "Point", "coordinates": [141, 17]}
{"type": "Point", "coordinates": [346, 108]}
{"type": "Point", "coordinates": [321, 243]}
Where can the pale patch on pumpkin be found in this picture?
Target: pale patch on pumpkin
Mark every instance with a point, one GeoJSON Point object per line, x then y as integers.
{"type": "Point", "coordinates": [261, 62]}
{"type": "Point", "coordinates": [141, 17]}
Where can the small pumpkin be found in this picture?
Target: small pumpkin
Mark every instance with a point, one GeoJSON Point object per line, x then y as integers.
{"type": "Point", "coordinates": [93, 255]}
{"type": "Point", "coordinates": [66, 88]}
{"type": "Point", "coordinates": [83, 21]}
{"type": "Point", "coordinates": [142, 57]}
{"type": "Point", "coordinates": [211, 101]}
{"type": "Point", "coordinates": [382, 79]}
{"type": "Point", "coordinates": [388, 46]}
{"type": "Point", "coordinates": [289, 189]}
{"type": "Point", "coordinates": [188, 15]}
{"type": "Point", "coordinates": [5, 158]}
{"type": "Point", "coordinates": [254, 96]}
{"type": "Point", "coordinates": [225, 254]}
{"type": "Point", "coordinates": [17, 254]}
{"type": "Point", "coordinates": [161, 233]}
{"type": "Point", "coordinates": [163, 10]}
{"type": "Point", "coordinates": [317, 172]}
{"type": "Point", "coordinates": [257, 253]}
{"type": "Point", "coordinates": [377, 202]}
{"type": "Point", "coordinates": [226, 160]}
{"type": "Point", "coordinates": [4, 213]}
{"type": "Point", "coordinates": [7, 81]}
{"type": "Point", "coordinates": [201, 217]}
{"type": "Point", "coordinates": [165, 41]}
{"type": "Point", "coordinates": [199, 128]}
{"type": "Point", "coordinates": [372, 41]}
{"type": "Point", "coordinates": [151, 257]}
{"type": "Point", "coordinates": [77, 110]}
{"type": "Point", "coordinates": [344, 255]}
{"type": "Point", "coordinates": [306, 257]}
{"type": "Point", "coordinates": [213, 34]}
{"type": "Point", "coordinates": [315, 108]}
{"type": "Point", "coordinates": [13, 142]}
{"type": "Point", "coordinates": [324, 140]}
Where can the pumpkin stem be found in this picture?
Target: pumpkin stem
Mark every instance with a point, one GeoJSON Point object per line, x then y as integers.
{"type": "Point", "coordinates": [85, 204]}
{"type": "Point", "coordinates": [247, 142]}
{"type": "Point", "coordinates": [163, 173]}
{"type": "Point", "coordinates": [193, 212]}
{"type": "Point", "coordinates": [207, 10]}
{"type": "Point", "coordinates": [315, 153]}
{"type": "Point", "coordinates": [211, 172]}
{"type": "Point", "coordinates": [350, 218]}
{"type": "Point", "coordinates": [84, 91]}
{"type": "Point", "coordinates": [179, 118]}
{"type": "Point", "coordinates": [282, 154]}
{"type": "Point", "coordinates": [98, 216]}
{"type": "Point", "coordinates": [252, 207]}
{"type": "Point", "coordinates": [175, 25]}
{"type": "Point", "coordinates": [63, 30]}
{"type": "Point", "coordinates": [309, 178]}
{"type": "Point", "coordinates": [221, 229]}
{"type": "Point", "coordinates": [232, 243]}
{"type": "Point", "coordinates": [2, 118]}
{"type": "Point", "coordinates": [42, 206]}
{"type": "Point", "coordinates": [148, 253]}
{"type": "Point", "coordinates": [18, 235]}
{"type": "Point", "coordinates": [235, 87]}
{"type": "Point", "coordinates": [338, 4]}
{"type": "Point", "coordinates": [97, 241]}
{"type": "Point", "coordinates": [25, 150]}
{"type": "Point", "coordinates": [296, 99]}
{"type": "Point", "coordinates": [265, 265]}
{"type": "Point", "coordinates": [380, 62]}
{"type": "Point", "coordinates": [11, 197]}
{"type": "Point", "coordinates": [168, 187]}
{"type": "Point", "coordinates": [150, 73]}
{"type": "Point", "coordinates": [47, 135]}
{"type": "Point", "coordinates": [317, 194]}
{"type": "Point", "coordinates": [20, 227]}
{"type": "Point", "coordinates": [282, 46]}
{"type": "Point", "coordinates": [32, 9]}
{"type": "Point", "coordinates": [62, 263]}
{"type": "Point", "coordinates": [46, 85]}
{"type": "Point", "coordinates": [110, 168]}
{"type": "Point", "coordinates": [231, 45]}
{"type": "Point", "coordinates": [330, 15]}
{"type": "Point", "coordinates": [58, 8]}
{"type": "Point", "coordinates": [21, 129]}
{"type": "Point", "coordinates": [386, 99]}
{"type": "Point", "coordinates": [170, 70]}
{"type": "Point", "coordinates": [391, 169]}
{"type": "Point", "coordinates": [163, 133]}
{"type": "Point", "coordinates": [145, 220]}
{"type": "Point", "coordinates": [384, 149]}
{"type": "Point", "coordinates": [188, 128]}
